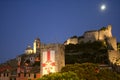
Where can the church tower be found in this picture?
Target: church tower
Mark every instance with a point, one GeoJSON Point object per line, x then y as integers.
{"type": "Point", "coordinates": [36, 46]}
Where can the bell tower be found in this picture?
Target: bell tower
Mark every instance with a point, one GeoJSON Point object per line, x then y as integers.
{"type": "Point", "coordinates": [36, 46]}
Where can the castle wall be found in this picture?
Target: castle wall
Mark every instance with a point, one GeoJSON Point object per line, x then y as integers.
{"type": "Point", "coordinates": [114, 59]}
{"type": "Point", "coordinates": [103, 34]}
{"type": "Point", "coordinates": [72, 41]}
{"type": "Point", "coordinates": [90, 36]}
{"type": "Point", "coordinates": [113, 56]}
{"type": "Point", "coordinates": [112, 43]}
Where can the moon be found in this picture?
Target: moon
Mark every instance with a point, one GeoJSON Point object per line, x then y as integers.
{"type": "Point", "coordinates": [103, 7]}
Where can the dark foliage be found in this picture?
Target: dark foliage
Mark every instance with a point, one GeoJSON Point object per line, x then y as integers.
{"type": "Point", "coordinates": [95, 52]}
{"type": "Point", "coordinates": [90, 71]}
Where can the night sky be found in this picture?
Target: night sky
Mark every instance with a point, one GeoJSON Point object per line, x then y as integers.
{"type": "Point", "coordinates": [21, 21]}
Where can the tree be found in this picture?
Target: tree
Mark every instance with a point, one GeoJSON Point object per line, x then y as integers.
{"type": "Point", "coordinates": [60, 76]}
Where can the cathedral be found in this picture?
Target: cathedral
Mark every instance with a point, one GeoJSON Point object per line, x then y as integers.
{"type": "Point", "coordinates": [35, 49]}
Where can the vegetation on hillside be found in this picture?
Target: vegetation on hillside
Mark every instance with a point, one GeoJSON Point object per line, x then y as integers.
{"type": "Point", "coordinates": [60, 76]}
{"type": "Point", "coordinates": [118, 46]}
{"type": "Point", "coordinates": [90, 71]}
{"type": "Point", "coordinates": [94, 52]}
{"type": "Point", "coordinates": [84, 71]}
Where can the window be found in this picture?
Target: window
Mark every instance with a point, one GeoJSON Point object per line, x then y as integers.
{"type": "Point", "coordinates": [29, 75]}
{"type": "Point", "coordinates": [18, 74]}
{"type": "Point", "coordinates": [7, 74]}
{"type": "Point", "coordinates": [24, 74]}
{"type": "Point", "coordinates": [34, 75]}
{"type": "Point", "coordinates": [4, 74]}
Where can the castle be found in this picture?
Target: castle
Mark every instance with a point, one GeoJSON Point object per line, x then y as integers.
{"type": "Point", "coordinates": [95, 35]}
{"type": "Point", "coordinates": [103, 34]}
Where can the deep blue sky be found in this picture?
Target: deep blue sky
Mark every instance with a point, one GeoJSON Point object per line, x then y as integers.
{"type": "Point", "coordinates": [21, 21]}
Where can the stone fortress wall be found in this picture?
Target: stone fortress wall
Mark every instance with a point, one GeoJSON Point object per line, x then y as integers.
{"type": "Point", "coordinates": [95, 35]}
{"type": "Point", "coordinates": [71, 41]}
{"type": "Point", "coordinates": [98, 34]}
{"type": "Point", "coordinates": [92, 36]}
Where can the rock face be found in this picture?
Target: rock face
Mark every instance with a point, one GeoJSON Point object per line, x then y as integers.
{"type": "Point", "coordinates": [52, 58]}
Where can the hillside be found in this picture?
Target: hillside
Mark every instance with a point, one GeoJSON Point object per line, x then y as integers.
{"type": "Point", "coordinates": [94, 52]}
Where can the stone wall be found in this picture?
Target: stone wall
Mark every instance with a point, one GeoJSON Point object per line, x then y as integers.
{"type": "Point", "coordinates": [114, 59]}
{"type": "Point", "coordinates": [98, 34]}
{"type": "Point", "coordinates": [103, 34]}
{"type": "Point", "coordinates": [112, 43]}
{"type": "Point", "coordinates": [90, 36]}
{"type": "Point", "coordinates": [72, 41]}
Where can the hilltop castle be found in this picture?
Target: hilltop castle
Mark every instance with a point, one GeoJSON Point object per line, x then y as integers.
{"type": "Point", "coordinates": [95, 35]}
{"type": "Point", "coordinates": [103, 34]}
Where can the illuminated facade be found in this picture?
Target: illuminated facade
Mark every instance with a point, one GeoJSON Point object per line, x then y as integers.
{"type": "Point", "coordinates": [29, 50]}
{"type": "Point", "coordinates": [35, 49]}
{"type": "Point", "coordinates": [48, 62]}
{"type": "Point", "coordinates": [36, 46]}
{"type": "Point", "coordinates": [52, 58]}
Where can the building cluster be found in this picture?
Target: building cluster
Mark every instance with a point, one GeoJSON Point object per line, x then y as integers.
{"type": "Point", "coordinates": [34, 63]}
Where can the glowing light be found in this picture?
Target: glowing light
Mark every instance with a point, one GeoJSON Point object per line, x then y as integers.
{"type": "Point", "coordinates": [103, 7]}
